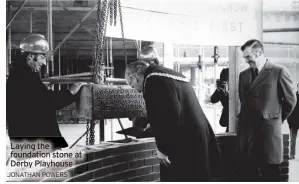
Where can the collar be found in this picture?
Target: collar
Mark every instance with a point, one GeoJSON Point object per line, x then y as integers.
{"type": "Point", "coordinates": [262, 66]}
{"type": "Point", "coordinates": [149, 70]}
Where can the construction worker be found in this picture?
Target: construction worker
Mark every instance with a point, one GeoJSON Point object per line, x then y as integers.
{"type": "Point", "coordinates": [31, 107]}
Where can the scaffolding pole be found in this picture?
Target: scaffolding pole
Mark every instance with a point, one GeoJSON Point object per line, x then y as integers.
{"type": "Point", "coordinates": [8, 59]}
{"type": "Point", "coordinates": [281, 30]}
{"type": "Point", "coordinates": [280, 43]}
{"type": "Point", "coordinates": [16, 13]}
{"type": "Point", "coordinates": [30, 21]}
{"type": "Point", "coordinates": [111, 58]}
{"type": "Point", "coordinates": [75, 28]}
{"type": "Point", "coordinates": [59, 67]}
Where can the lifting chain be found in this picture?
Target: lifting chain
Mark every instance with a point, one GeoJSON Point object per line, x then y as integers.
{"type": "Point", "coordinates": [111, 9]}
{"type": "Point", "coordinates": [98, 71]}
{"type": "Point", "coordinates": [105, 8]}
{"type": "Point", "coordinates": [91, 132]}
{"type": "Point", "coordinates": [122, 32]}
{"type": "Point", "coordinates": [87, 128]}
{"type": "Point", "coordinates": [115, 12]}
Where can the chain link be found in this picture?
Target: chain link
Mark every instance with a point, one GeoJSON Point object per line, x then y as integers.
{"type": "Point", "coordinates": [115, 12]}
{"type": "Point", "coordinates": [122, 32]}
{"type": "Point", "coordinates": [87, 128]}
{"type": "Point", "coordinates": [92, 136]}
{"type": "Point", "coordinates": [104, 21]}
{"type": "Point", "coordinates": [98, 62]}
{"type": "Point", "coordinates": [111, 8]}
{"type": "Point", "coordinates": [96, 55]}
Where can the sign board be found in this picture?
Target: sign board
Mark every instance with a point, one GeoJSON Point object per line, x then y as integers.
{"type": "Point", "coordinates": [212, 22]}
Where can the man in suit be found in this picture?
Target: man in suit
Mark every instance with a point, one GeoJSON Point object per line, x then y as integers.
{"type": "Point", "coordinates": [187, 147]}
{"type": "Point", "coordinates": [293, 121]}
{"type": "Point", "coordinates": [267, 99]}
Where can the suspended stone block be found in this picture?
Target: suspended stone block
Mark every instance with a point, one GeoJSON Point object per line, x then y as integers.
{"type": "Point", "coordinates": [97, 101]}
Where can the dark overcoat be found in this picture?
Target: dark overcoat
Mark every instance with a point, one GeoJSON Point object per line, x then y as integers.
{"type": "Point", "coordinates": [265, 103]}
{"type": "Point", "coordinates": [220, 95]}
{"type": "Point", "coordinates": [293, 119]}
{"type": "Point", "coordinates": [180, 126]}
{"type": "Point", "coordinates": [31, 107]}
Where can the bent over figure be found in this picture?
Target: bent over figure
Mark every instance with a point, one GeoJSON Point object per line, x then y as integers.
{"type": "Point", "coordinates": [187, 147]}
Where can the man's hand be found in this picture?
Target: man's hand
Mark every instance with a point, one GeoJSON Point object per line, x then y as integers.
{"type": "Point", "coordinates": [148, 127]}
{"type": "Point", "coordinates": [162, 158]}
{"type": "Point", "coordinates": [76, 87]}
{"type": "Point", "coordinates": [208, 99]}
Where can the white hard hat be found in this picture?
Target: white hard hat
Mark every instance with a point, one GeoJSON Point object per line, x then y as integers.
{"type": "Point", "coordinates": [35, 43]}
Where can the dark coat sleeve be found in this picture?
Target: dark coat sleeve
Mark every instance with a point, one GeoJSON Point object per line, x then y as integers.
{"type": "Point", "coordinates": [60, 99]}
{"type": "Point", "coordinates": [164, 111]}
{"type": "Point", "coordinates": [215, 96]}
{"type": "Point", "coordinates": [11, 99]}
{"type": "Point", "coordinates": [294, 117]}
{"type": "Point", "coordinates": [286, 93]}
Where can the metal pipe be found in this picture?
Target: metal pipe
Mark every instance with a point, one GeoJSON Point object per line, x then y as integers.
{"type": "Point", "coordinates": [116, 80]}
{"type": "Point", "coordinates": [55, 8]}
{"type": "Point", "coordinates": [281, 30]}
{"type": "Point", "coordinates": [78, 139]}
{"type": "Point", "coordinates": [81, 79]}
{"type": "Point", "coordinates": [50, 34]}
{"type": "Point", "coordinates": [59, 67]}
{"type": "Point", "coordinates": [84, 74]}
{"type": "Point", "coordinates": [280, 43]}
{"type": "Point", "coordinates": [122, 127]}
{"type": "Point", "coordinates": [16, 13]}
{"type": "Point", "coordinates": [8, 59]}
{"type": "Point", "coordinates": [15, 46]}
{"type": "Point", "coordinates": [107, 56]}
{"type": "Point", "coordinates": [74, 29]}
{"type": "Point", "coordinates": [9, 50]}
{"type": "Point", "coordinates": [30, 23]}
{"type": "Point", "coordinates": [85, 26]}
{"type": "Point", "coordinates": [111, 58]}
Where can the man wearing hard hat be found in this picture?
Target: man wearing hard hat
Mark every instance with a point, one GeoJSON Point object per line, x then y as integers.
{"type": "Point", "coordinates": [31, 107]}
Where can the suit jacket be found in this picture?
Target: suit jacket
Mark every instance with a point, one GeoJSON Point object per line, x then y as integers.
{"type": "Point", "coordinates": [293, 119]}
{"type": "Point", "coordinates": [179, 124]}
{"type": "Point", "coordinates": [265, 104]}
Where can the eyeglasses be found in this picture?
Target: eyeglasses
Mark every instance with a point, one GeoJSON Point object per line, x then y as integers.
{"type": "Point", "coordinates": [129, 79]}
{"type": "Point", "coordinates": [250, 56]}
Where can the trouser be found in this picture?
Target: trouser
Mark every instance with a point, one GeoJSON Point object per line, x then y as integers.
{"type": "Point", "coordinates": [264, 172]}
{"type": "Point", "coordinates": [180, 171]}
{"type": "Point", "coordinates": [293, 134]}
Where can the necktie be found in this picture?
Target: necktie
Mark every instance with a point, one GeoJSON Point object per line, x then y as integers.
{"type": "Point", "coordinates": [255, 72]}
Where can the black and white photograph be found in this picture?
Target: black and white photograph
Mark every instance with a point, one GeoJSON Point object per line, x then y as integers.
{"type": "Point", "coordinates": [151, 91]}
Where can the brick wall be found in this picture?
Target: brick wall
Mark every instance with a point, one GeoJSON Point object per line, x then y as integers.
{"type": "Point", "coordinates": [135, 161]}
